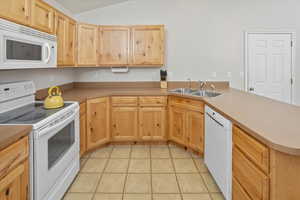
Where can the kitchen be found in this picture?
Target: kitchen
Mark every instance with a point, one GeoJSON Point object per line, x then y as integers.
{"type": "Point", "coordinates": [139, 134]}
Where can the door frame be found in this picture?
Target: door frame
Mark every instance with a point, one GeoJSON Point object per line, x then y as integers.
{"type": "Point", "coordinates": [293, 54]}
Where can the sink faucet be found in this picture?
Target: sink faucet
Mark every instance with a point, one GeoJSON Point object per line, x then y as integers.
{"type": "Point", "coordinates": [202, 84]}
{"type": "Point", "coordinates": [190, 83]}
{"type": "Point", "coordinates": [213, 87]}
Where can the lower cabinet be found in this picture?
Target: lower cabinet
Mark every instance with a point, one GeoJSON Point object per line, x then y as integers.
{"type": "Point", "coordinates": [177, 121]}
{"type": "Point", "coordinates": [83, 147]}
{"type": "Point", "coordinates": [249, 158]}
{"type": "Point", "coordinates": [14, 186]}
{"type": "Point", "coordinates": [186, 123]}
{"type": "Point", "coordinates": [195, 130]}
{"type": "Point", "coordinates": [152, 123]}
{"type": "Point", "coordinates": [14, 171]}
{"type": "Point", "coordinates": [124, 123]}
{"type": "Point", "coordinates": [97, 122]}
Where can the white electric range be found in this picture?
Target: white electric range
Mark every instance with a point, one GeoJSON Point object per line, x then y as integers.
{"type": "Point", "coordinates": [54, 140]}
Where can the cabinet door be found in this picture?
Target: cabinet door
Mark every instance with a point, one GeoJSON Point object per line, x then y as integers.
{"type": "Point", "coordinates": [124, 123]}
{"type": "Point", "coordinates": [152, 123]}
{"type": "Point", "coordinates": [97, 122]}
{"type": "Point", "coordinates": [60, 31]}
{"type": "Point", "coordinates": [238, 192]}
{"type": "Point", "coordinates": [87, 45]}
{"type": "Point", "coordinates": [42, 16]}
{"type": "Point", "coordinates": [70, 43]}
{"type": "Point", "coordinates": [254, 181]}
{"type": "Point", "coordinates": [148, 45]}
{"type": "Point", "coordinates": [15, 10]}
{"type": "Point", "coordinates": [177, 117]}
{"type": "Point", "coordinates": [114, 45]}
{"type": "Point", "coordinates": [14, 186]}
{"type": "Point", "coordinates": [195, 131]}
{"type": "Point", "coordinates": [82, 133]}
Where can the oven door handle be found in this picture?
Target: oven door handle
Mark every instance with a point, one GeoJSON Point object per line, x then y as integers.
{"type": "Point", "coordinates": [52, 128]}
{"type": "Point", "coordinates": [47, 46]}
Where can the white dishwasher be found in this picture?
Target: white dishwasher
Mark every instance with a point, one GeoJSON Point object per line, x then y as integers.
{"type": "Point", "coordinates": [218, 150]}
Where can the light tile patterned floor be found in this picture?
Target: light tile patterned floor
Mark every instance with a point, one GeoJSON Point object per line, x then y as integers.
{"type": "Point", "coordinates": [143, 172]}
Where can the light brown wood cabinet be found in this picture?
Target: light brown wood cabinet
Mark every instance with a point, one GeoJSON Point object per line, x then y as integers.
{"type": "Point", "coordinates": [42, 16]}
{"type": "Point", "coordinates": [250, 167]}
{"type": "Point", "coordinates": [148, 45]}
{"type": "Point", "coordinates": [186, 123]}
{"type": "Point", "coordinates": [177, 127]}
{"type": "Point", "coordinates": [114, 46]}
{"type": "Point", "coordinates": [16, 10]}
{"type": "Point", "coordinates": [98, 123]}
{"type": "Point", "coordinates": [65, 30]}
{"type": "Point", "coordinates": [83, 147]}
{"type": "Point", "coordinates": [14, 178]}
{"type": "Point", "coordinates": [195, 130]}
{"type": "Point", "coordinates": [152, 123]}
{"type": "Point", "coordinates": [124, 123]}
{"type": "Point", "coordinates": [87, 45]}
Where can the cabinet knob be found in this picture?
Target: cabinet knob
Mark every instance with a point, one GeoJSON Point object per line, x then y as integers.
{"type": "Point", "coordinates": [7, 192]}
{"type": "Point", "coordinates": [115, 126]}
{"type": "Point", "coordinates": [92, 129]}
{"type": "Point", "coordinates": [158, 125]}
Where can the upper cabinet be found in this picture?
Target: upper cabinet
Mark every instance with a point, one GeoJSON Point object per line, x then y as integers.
{"type": "Point", "coordinates": [65, 30]}
{"type": "Point", "coordinates": [114, 44]}
{"type": "Point", "coordinates": [139, 46]}
{"type": "Point", "coordinates": [148, 45]}
{"type": "Point", "coordinates": [42, 16]}
{"type": "Point", "coordinates": [87, 45]}
{"type": "Point", "coordinates": [16, 10]}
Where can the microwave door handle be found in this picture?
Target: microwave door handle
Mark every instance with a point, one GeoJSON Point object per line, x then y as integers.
{"type": "Point", "coordinates": [48, 53]}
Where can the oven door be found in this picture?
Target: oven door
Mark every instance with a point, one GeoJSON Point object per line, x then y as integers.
{"type": "Point", "coordinates": [55, 149]}
{"type": "Point", "coordinates": [24, 51]}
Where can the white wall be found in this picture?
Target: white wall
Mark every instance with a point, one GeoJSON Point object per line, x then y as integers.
{"type": "Point", "coordinates": [203, 36]}
{"type": "Point", "coordinates": [42, 77]}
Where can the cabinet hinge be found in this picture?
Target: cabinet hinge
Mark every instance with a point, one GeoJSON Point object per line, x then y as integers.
{"type": "Point", "coordinates": [292, 44]}
{"type": "Point", "coordinates": [292, 81]}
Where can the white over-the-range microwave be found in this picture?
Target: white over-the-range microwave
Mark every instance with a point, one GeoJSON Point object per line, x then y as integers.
{"type": "Point", "coordinates": [23, 47]}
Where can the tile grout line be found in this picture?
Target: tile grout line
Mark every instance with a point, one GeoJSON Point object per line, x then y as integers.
{"type": "Point", "coordinates": [126, 176]}
{"type": "Point", "coordinates": [177, 181]}
{"type": "Point", "coordinates": [102, 174]}
{"type": "Point", "coordinates": [151, 180]}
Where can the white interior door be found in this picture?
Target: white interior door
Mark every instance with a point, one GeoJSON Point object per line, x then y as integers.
{"type": "Point", "coordinates": [270, 65]}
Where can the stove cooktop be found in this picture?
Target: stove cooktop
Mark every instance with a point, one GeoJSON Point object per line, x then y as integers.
{"type": "Point", "coordinates": [29, 114]}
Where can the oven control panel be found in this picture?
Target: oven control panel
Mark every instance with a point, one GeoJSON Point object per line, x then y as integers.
{"type": "Point", "coordinates": [13, 90]}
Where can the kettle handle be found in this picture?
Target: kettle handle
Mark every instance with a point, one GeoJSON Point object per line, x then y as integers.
{"type": "Point", "coordinates": [56, 90]}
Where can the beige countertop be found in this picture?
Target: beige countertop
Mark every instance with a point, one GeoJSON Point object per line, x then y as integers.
{"type": "Point", "coordinates": [274, 123]}
{"type": "Point", "coordinates": [10, 134]}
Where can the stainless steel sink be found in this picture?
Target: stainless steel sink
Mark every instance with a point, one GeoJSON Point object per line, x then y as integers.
{"type": "Point", "coordinates": [183, 90]}
{"type": "Point", "coordinates": [193, 92]}
{"type": "Point", "coordinates": [204, 93]}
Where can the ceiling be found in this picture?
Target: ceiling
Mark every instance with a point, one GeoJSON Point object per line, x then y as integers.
{"type": "Point", "coordinates": [78, 6]}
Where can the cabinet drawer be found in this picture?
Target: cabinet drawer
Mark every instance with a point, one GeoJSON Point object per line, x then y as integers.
{"type": "Point", "coordinates": [82, 108]}
{"type": "Point", "coordinates": [13, 155]}
{"type": "Point", "coordinates": [238, 192]}
{"type": "Point", "coordinates": [124, 101]}
{"type": "Point", "coordinates": [255, 182]}
{"type": "Point", "coordinates": [187, 103]}
{"type": "Point", "coordinates": [254, 150]}
{"type": "Point", "coordinates": [153, 101]}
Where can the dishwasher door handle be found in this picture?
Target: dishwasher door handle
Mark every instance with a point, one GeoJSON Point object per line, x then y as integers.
{"type": "Point", "coordinates": [219, 123]}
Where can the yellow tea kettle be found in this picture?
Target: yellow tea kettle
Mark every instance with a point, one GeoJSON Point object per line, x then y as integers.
{"type": "Point", "coordinates": [54, 99]}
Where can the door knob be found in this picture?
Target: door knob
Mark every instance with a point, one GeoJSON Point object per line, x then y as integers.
{"type": "Point", "coordinates": [251, 89]}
